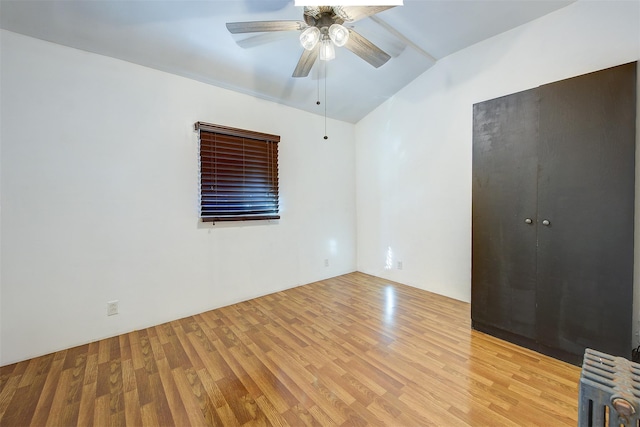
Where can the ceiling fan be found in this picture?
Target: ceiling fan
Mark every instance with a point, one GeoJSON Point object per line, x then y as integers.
{"type": "Point", "coordinates": [322, 29]}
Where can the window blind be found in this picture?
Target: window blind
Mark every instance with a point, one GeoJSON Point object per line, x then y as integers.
{"type": "Point", "coordinates": [238, 174]}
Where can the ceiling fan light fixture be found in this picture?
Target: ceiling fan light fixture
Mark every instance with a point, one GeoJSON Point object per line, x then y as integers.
{"type": "Point", "coordinates": [310, 37]}
{"type": "Point", "coordinates": [327, 51]}
{"type": "Point", "coordinates": [339, 35]}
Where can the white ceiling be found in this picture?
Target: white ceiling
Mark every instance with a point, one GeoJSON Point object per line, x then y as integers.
{"type": "Point", "coordinates": [189, 38]}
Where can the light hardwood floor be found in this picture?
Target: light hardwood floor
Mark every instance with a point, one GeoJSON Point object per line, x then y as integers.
{"type": "Point", "coordinates": [352, 350]}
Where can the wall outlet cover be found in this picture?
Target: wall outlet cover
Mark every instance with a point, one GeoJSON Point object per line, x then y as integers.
{"type": "Point", "coordinates": [112, 308]}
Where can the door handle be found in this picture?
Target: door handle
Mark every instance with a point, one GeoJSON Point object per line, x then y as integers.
{"type": "Point", "coordinates": [528, 221]}
{"type": "Point", "coordinates": [546, 222]}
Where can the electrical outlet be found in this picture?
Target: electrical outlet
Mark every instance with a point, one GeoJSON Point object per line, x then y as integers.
{"type": "Point", "coordinates": [112, 308]}
{"type": "Point", "coordinates": [326, 262]}
{"type": "Point", "coordinates": [399, 265]}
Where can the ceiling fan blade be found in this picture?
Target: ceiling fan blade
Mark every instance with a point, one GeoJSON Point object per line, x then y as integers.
{"type": "Point", "coordinates": [366, 50]}
{"type": "Point", "coordinates": [260, 39]}
{"type": "Point", "coordinates": [260, 26]}
{"type": "Point", "coordinates": [306, 62]}
{"type": "Point", "coordinates": [355, 13]}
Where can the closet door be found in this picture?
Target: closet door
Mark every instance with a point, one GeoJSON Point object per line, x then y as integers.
{"type": "Point", "coordinates": [586, 193]}
{"type": "Point", "coordinates": [503, 289]}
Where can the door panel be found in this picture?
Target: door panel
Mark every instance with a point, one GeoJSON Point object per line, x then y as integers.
{"type": "Point", "coordinates": [586, 191]}
{"type": "Point", "coordinates": [503, 291]}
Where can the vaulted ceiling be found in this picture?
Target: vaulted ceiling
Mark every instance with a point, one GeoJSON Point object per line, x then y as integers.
{"type": "Point", "coordinates": [190, 39]}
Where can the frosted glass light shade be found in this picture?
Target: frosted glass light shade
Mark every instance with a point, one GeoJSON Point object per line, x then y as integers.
{"type": "Point", "coordinates": [338, 34]}
{"type": "Point", "coordinates": [327, 51]}
{"type": "Point", "coordinates": [309, 37]}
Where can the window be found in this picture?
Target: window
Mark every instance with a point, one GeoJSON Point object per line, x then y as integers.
{"type": "Point", "coordinates": [238, 174]}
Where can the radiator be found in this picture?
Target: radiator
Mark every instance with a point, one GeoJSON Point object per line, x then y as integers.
{"type": "Point", "coordinates": [609, 391]}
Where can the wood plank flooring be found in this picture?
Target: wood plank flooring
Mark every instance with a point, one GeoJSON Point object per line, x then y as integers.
{"type": "Point", "coordinates": [353, 350]}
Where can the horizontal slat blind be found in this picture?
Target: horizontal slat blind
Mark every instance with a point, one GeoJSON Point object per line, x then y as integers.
{"type": "Point", "coordinates": [238, 174]}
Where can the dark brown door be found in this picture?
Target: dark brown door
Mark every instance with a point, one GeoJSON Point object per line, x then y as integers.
{"type": "Point", "coordinates": [586, 173]}
{"type": "Point", "coordinates": [504, 202]}
{"type": "Point", "coordinates": [562, 155]}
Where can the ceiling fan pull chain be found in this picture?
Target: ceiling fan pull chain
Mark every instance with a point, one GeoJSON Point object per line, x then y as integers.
{"type": "Point", "coordinates": [318, 85]}
{"type": "Point", "coordinates": [325, 100]}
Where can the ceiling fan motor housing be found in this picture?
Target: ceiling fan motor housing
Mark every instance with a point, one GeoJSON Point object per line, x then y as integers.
{"type": "Point", "coordinates": [323, 20]}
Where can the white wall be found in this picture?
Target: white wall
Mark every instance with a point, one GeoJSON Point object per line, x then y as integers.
{"type": "Point", "coordinates": [87, 219]}
{"type": "Point", "coordinates": [413, 154]}
{"type": "Point", "coordinates": [99, 197]}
